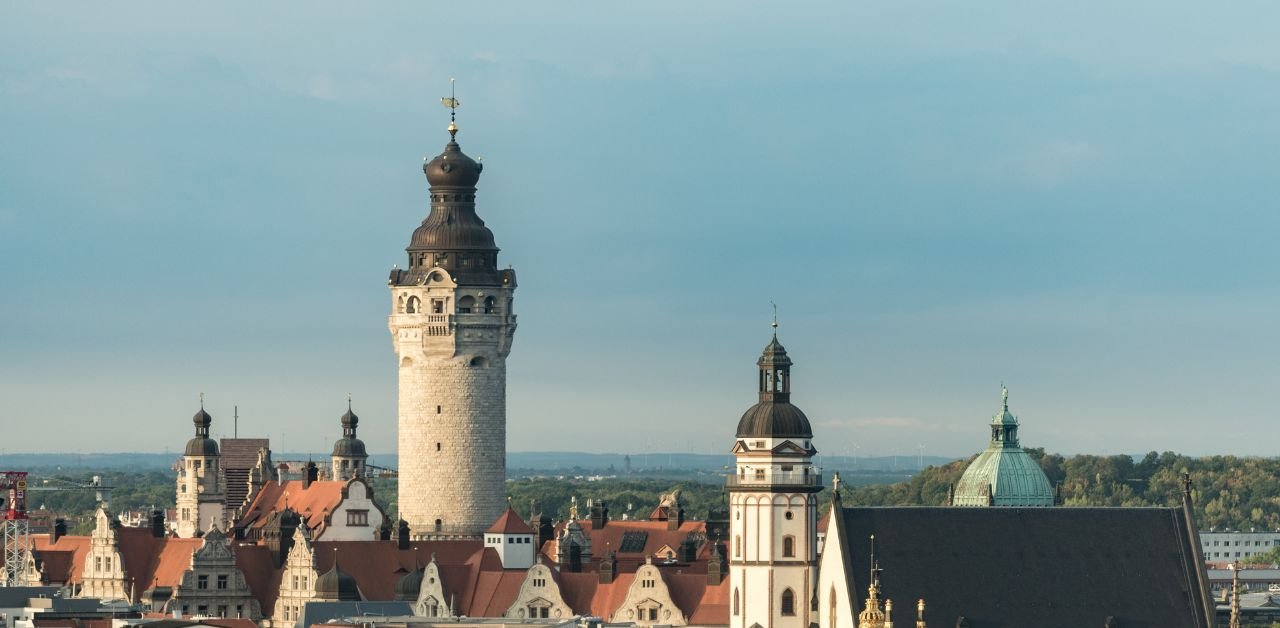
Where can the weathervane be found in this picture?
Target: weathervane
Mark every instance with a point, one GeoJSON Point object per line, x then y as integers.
{"type": "Point", "coordinates": [451, 101]}
{"type": "Point", "coordinates": [774, 324]}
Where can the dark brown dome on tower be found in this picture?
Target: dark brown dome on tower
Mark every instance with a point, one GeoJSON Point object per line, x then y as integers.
{"type": "Point", "coordinates": [774, 416]}
{"type": "Point", "coordinates": [453, 168]}
{"type": "Point", "coordinates": [202, 445]}
{"type": "Point", "coordinates": [453, 236]}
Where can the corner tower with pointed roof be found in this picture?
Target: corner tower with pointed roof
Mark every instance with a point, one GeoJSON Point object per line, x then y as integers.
{"type": "Point", "coordinates": [1003, 474]}
{"type": "Point", "coordinates": [452, 325]}
{"type": "Point", "coordinates": [202, 492]}
{"type": "Point", "coordinates": [773, 505]}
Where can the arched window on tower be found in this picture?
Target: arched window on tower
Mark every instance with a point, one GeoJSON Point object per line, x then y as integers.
{"type": "Point", "coordinates": [735, 602]}
{"type": "Point", "coordinates": [831, 607]}
{"type": "Point", "coordinates": [400, 305]}
{"type": "Point", "coordinates": [439, 525]}
{"type": "Point", "coordinates": [789, 546]}
{"type": "Point", "coordinates": [488, 305]}
{"type": "Point", "coordinates": [788, 602]}
{"type": "Point", "coordinates": [466, 304]}
{"type": "Point", "coordinates": [412, 305]}
{"type": "Point", "coordinates": [737, 547]}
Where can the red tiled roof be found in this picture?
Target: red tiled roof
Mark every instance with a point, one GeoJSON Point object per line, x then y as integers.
{"type": "Point", "coordinates": [609, 538]}
{"type": "Point", "coordinates": [509, 523]}
{"type": "Point", "coordinates": [64, 560]}
{"type": "Point", "coordinates": [260, 573]}
{"type": "Point", "coordinates": [150, 561]}
{"type": "Point", "coordinates": [377, 565]}
{"type": "Point", "coordinates": [314, 503]}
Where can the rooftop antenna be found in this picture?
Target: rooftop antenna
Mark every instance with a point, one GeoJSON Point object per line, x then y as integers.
{"type": "Point", "coordinates": [235, 425]}
{"type": "Point", "coordinates": [451, 101]}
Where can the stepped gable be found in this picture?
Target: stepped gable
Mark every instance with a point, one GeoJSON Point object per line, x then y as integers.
{"type": "Point", "coordinates": [1138, 565]}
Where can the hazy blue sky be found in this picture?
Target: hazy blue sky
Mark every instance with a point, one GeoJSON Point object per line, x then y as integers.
{"type": "Point", "coordinates": [1078, 199]}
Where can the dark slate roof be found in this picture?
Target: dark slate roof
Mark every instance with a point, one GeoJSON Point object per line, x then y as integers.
{"type": "Point", "coordinates": [774, 419]}
{"type": "Point", "coordinates": [1043, 567]}
{"type": "Point", "coordinates": [317, 612]}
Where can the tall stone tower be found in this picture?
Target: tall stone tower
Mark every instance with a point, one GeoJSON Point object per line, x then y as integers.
{"type": "Point", "coordinates": [202, 491]}
{"type": "Point", "coordinates": [451, 325]}
{"type": "Point", "coordinates": [773, 505]}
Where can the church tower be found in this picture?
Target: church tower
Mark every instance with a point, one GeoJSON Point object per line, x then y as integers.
{"type": "Point", "coordinates": [202, 492]}
{"type": "Point", "coordinates": [349, 456]}
{"type": "Point", "coordinates": [773, 505]}
{"type": "Point", "coordinates": [451, 325]}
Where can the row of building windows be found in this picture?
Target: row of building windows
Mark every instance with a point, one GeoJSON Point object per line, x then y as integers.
{"type": "Point", "coordinates": [202, 582]}
{"type": "Point", "coordinates": [788, 546]}
{"type": "Point", "coordinates": [466, 305]}
{"type": "Point", "coordinates": [1246, 544]}
{"type": "Point", "coordinates": [203, 609]}
{"type": "Point", "coordinates": [787, 606]}
{"type": "Point", "coordinates": [510, 539]}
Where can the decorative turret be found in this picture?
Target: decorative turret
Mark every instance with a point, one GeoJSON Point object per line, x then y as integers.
{"type": "Point", "coordinates": [201, 487]}
{"type": "Point", "coordinates": [452, 324]}
{"type": "Point", "coordinates": [773, 503]}
{"type": "Point", "coordinates": [349, 455]}
{"type": "Point", "coordinates": [1003, 474]}
{"type": "Point", "coordinates": [774, 416]}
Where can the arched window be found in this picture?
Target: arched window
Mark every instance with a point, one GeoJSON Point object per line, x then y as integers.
{"type": "Point", "coordinates": [737, 547]}
{"type": "Point", "coordinates": [400, 305]}
{"type": "Point", "coordinates": [439, 525]}
{"type": "Point", "coordinates": [412, 306]}
{"type": "Point", "coordinates": [788, 603]}
{"type": "Point", "coordinates": [735, 602]}
{"type": "Point", "coordinates": [466, 304]}
{"type": "Point", "coordinates": [488, 305]}
{"type": "Point", "coordinates": [788, 547]}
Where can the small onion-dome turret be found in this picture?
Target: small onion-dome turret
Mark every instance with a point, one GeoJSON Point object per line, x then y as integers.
{"type": "Point", "coordinates": [408, 585]}
{"type": "Point", "coordinates": [774, 416]}
{"type": "Point", "coordinates": [202, 445]}
{"type": "Point", "coordinates": [349, 446]}
{"type": "Point", "coordinates": [337, 585]}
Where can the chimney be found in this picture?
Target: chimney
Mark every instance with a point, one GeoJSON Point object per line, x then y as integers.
{"type": "Point", "coordinates": [599, 515]}
{"type": "Point", "coordinates": [717, 566]}
{"type": "Point", "coordinates": [59, 529]}
{"type": "Point", "coordinates": [607, 569]}
{"type": "Point", "coordinates": [402, 534]}
{"type": "Point", "coordinates": [546, 531]}
{"type": "Point", "coordinates": [675, 519]}
{"type": "Point", "coordinates": [157, 523]}
{"type": "Point", "coordinates": [309, 474]}
{"type": "Point", "coordinates": [688, 551]}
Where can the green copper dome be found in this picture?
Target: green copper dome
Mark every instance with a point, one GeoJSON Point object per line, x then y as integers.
{"type": "Point", "coordinates": [1004, 474]}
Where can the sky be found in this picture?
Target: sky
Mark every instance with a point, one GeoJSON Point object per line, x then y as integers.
{"type": "Point", "coordinates": [1077, 200]}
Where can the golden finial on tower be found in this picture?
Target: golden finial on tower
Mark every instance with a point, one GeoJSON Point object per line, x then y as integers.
{"type": "Point", "coordinates": [573, 508]}
{"type": "Point", "coordinates": [920, 614]}
{"type": "Point", "coordinates": [451, 101]}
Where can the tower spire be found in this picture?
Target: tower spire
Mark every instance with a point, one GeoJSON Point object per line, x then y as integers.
{"type": "Point", "coordinates": [451, 101]}
{"type": "Point", "coordinates": [774, 324]}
